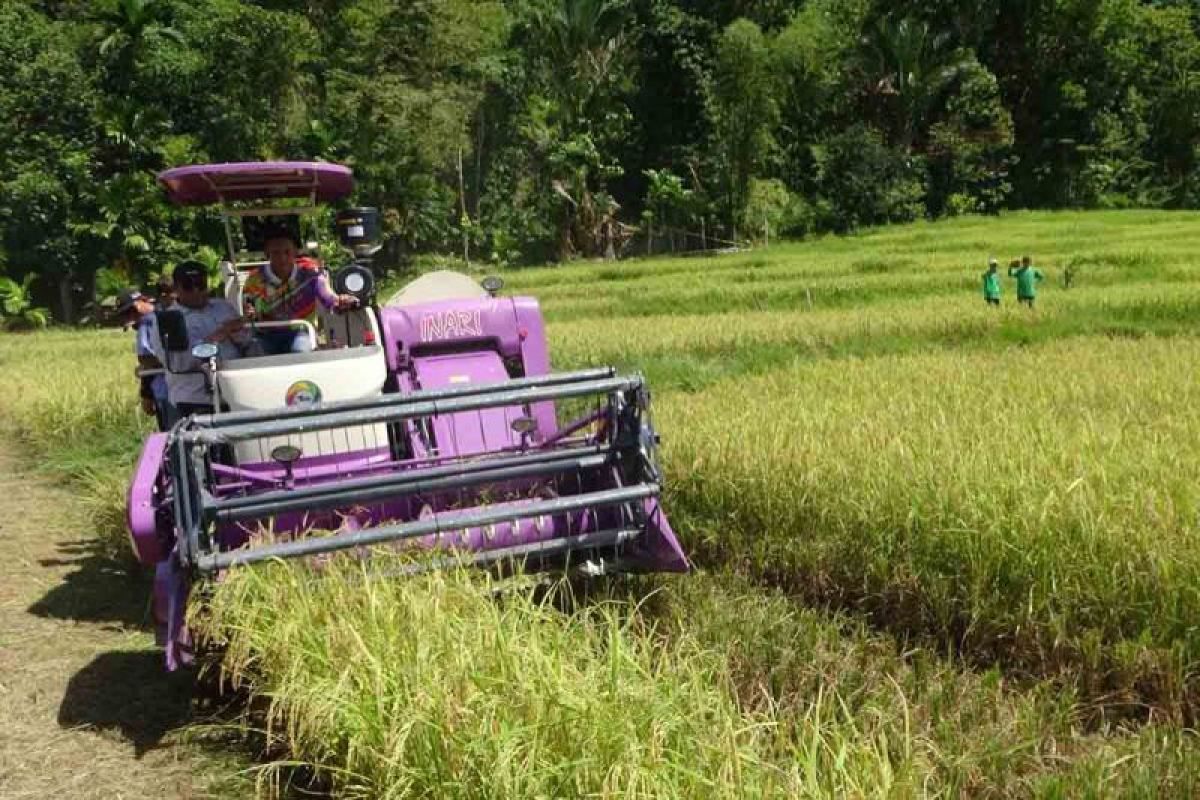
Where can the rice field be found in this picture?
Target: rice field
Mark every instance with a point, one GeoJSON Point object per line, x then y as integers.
{"type": "Point", "coordinates": [944, 549]}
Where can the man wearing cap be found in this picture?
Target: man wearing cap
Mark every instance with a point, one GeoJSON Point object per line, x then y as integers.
{"type": "Point", "coordinates": [165, 289]}
{"type": "Point", "coordinates": [285, 289]}
{"type": "Point", "coordinates": [134, 308]}
{"type": "Point", "coordinates": [991, 283]}
{"type": "Point", "coordinates": [207, 320]}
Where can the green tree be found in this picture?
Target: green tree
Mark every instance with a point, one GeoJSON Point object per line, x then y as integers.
{"type": "Point", "coordinates": [864, 181]}
{"type": "Point", "coordinates": [908, 69]}
{"type": "Point", "coordinates": [970, 150]}
{"type": "Point", "coordinates": [744, 110]}
{"type": "Point", "coordinates": [126, 28]}
{"type": "Point", "coordinates": [47, 166]}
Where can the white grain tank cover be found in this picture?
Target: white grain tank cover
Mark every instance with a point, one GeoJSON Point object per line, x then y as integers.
{"type": "Point", "coordinates": [435, 286]}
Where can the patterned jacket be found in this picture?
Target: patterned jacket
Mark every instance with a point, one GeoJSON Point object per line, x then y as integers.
{"type": "Point", "coordinates": [295, 298]}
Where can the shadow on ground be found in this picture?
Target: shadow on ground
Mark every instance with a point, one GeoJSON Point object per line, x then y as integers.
{"type": "Point", "coordinates": [101, 587]}
{"type": "Point", "coordinates": [130, 694]}
{"type": "Point", "coordinates": [128, 691]}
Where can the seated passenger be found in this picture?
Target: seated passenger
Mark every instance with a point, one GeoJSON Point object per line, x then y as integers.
{"type": "Point", "coordinates": [136, 309]}
{"type": "Point", "coordinates": [207, 320]}
{"type": "Point", "coordinates": [284, 289]}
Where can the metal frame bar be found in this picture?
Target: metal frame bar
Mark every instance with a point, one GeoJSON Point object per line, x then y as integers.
{"type": "Point", "coordinates": [574, 427]}
{"type": "Point", "coordinates": [410, 407]}
{"type": "Point", "coordinates": [269, 211]}
{"type": "Point", "coordinates": [199, 512]}
{"type": "Point", "coordinates": [184, 525]}
{"type": "Point", "coordinates": [387, 400]}
{"type": "Point", "coordinates": [362, 491]}
{"type": "Point", "coordinates": [211, 562]}
{"type": "Point", "coordinates": [549, 548]}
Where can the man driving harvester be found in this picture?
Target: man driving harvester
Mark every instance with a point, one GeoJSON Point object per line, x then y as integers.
{"type": "Point", "coordinates": [285, 289]}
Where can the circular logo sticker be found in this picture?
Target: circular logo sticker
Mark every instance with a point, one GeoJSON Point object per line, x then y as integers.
{"type": "Point", "coordinates": [303, 393]}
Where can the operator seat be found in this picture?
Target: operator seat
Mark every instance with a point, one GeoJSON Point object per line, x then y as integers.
{"type": "Point", "coordinates": [232, 281]}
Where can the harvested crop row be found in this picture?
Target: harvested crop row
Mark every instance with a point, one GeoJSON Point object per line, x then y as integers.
{"type": "Point", "coordinates": [71, 397]}
{"type": "Point", "coordinates": [862, 294]}
{"type": "Point", "coordinates": [872, 281]}
{"type": "Point", "coordinates": [1036, 507]}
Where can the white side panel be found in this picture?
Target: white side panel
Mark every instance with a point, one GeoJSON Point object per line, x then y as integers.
{"type": "Point", "coordinates": [257, 384]}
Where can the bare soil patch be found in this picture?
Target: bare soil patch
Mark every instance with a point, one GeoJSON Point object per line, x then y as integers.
{"type": "Point", "coordinates": [86, 708]}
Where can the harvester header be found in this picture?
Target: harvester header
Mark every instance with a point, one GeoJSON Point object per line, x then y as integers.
{"type": "Point", "coordinates": [431, 422]}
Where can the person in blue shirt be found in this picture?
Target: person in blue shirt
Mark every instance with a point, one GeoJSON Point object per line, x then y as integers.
{"type": "Point", "coordinates": [136, 309]}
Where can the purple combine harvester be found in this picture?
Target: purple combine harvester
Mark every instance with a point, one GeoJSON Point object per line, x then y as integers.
{"type": "Point", "coordinates": [431, 420]}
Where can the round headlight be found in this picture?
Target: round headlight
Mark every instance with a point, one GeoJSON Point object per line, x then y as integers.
{"type": "Point", "coordinates": [354, 279]}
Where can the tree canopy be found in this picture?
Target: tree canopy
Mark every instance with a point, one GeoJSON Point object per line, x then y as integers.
{"type": "Point", "coordinates": [519, 131]}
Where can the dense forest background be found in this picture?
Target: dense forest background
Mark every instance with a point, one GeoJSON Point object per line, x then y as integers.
{"type": "Point", "coordinates": [519, 131]}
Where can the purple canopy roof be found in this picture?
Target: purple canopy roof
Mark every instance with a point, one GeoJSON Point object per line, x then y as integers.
{"type": "Point", "coordinates": [204, 184]}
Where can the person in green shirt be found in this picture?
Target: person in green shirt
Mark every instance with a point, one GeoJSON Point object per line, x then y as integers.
{"type": "Point", "coordinates": [991, 283]}
{"type": "Point", "coordinates": [1028, 277]}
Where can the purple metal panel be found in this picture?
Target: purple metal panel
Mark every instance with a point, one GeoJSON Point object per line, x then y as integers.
{"type": "Point", "coordinates": [535, 354]}
{"type": "Point", "coordinates": [205, 184]}
{"type": "Point", "coordinates": [449, 323]}
{"type": "Point", "coordinates": [469, 432]}
{"type": "Point", "coordinates": [140, 511]}
{"type": "Point", "coordinates": [660, 546]}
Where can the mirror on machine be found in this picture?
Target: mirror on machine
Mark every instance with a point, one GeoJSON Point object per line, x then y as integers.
{"type": "Point", "coordinates": [286, 454]}
{"type": "Point", "coordinates": [492, 284]}
{"type": "Point", "coordinates": [205, 350]}
{"type": "Point", "coordinates": [524, 425]}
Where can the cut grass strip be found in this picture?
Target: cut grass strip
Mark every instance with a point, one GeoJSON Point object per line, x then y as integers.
{"type": "Point", "coordinates": [1125, 241]}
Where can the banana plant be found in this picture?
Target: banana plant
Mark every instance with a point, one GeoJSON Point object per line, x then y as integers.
{"type": "Point", "coordinates": [16, 303]}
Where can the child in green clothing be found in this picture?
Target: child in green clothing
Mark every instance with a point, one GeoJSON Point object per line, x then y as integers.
{"type": "Point", "coordinates": [991, 284]}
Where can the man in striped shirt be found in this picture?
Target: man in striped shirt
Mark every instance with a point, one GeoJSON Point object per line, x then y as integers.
{"type": "Point", "coordinates": [287, 288]}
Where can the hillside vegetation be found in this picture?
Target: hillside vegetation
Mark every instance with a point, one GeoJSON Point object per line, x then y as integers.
{"type": "Point", "coordinates": [522, 131]}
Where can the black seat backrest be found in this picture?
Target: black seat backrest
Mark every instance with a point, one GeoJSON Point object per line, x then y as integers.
{"type": "Point", "coordinates": [172, 330]}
